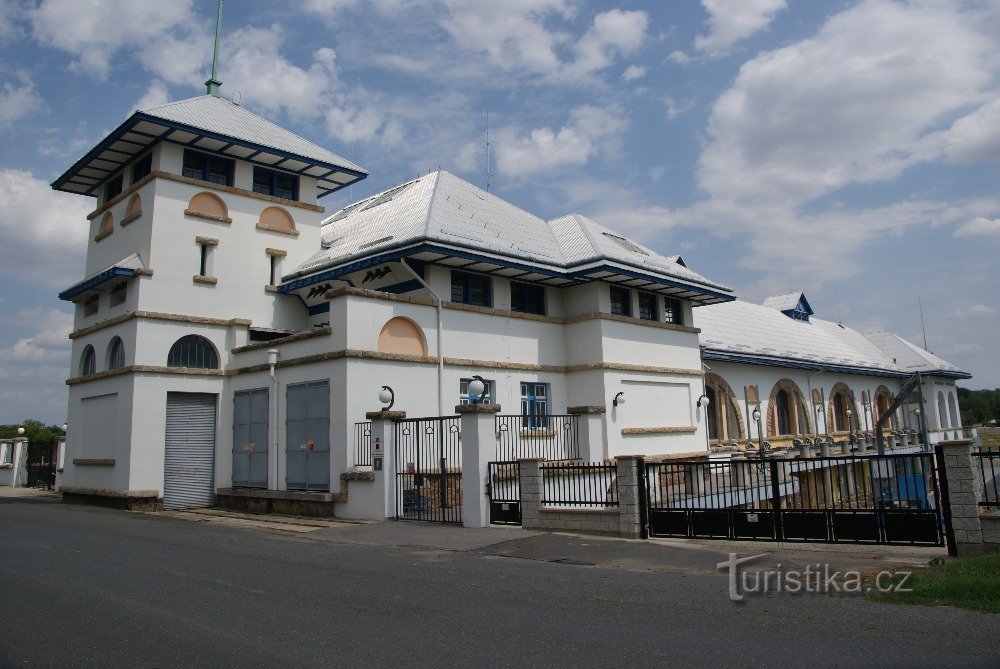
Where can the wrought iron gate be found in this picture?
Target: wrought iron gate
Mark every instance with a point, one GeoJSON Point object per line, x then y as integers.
{"type": "Point", "coordinates": [429, 469]}
{"type": "Point", "coordinates": [504, 487]}
{"type": "Point", "coordinates": [890, 499]}
{"type": "Point", "coordinates": [41, 464]}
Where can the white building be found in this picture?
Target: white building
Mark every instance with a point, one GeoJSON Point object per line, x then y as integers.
{"type": "Point", "coordinates": [226, 336]}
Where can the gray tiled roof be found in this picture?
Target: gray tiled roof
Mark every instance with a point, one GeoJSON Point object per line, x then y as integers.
{"type": "Point", "coordinates": [908, 355]}
{"type": "Point", "coordinates": [783, 302]}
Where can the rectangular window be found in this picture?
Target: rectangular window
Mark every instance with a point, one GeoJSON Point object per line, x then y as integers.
{"type": "Point", "coordinates": [202, 166]}
{"type": "Point", "coordinates": [471, 289]}
{"type": "Point", "coordinates": [621, 301]}
{"type": "Point", "coordinates": [465, 398]}
{"type": "Point", "coordinates": [114, 187]}
{"type": "Point", "coordinates": [205, 251]}
{"type": "Point", "coordinates": [535, 405]}
{"type": "Point", "coordinates": [672, 311]}
{"type": "Point", "coordinates": [142, 167]}
{"type": "Point", "coordinates": [647, 307]}
{"type": "Point", "coordinates": [117, 295]}
{"type": "Point", "coordinates": [278, 184]}
{"type": "Point", "coordinates": [90, 305]}
{"type": "Point", "coordinates": [527, 298]}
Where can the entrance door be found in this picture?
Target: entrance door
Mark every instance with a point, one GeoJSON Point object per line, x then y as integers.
{"type": "Point", "coordinates": [189, 460]}
{"type": "Point", "coordinates": [41, 464]}
{"type": "Point", "coordinates": [250, 437]}
{"type": "Point", "coordinates": [307, 442]}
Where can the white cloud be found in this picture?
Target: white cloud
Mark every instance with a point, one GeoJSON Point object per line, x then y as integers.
{"type": "Point", "coordinates": [94, 31]}
{"type": "Point", "coordinates": [972, 138]}
{"type": "Point", "coordinates": [156, 95]}
{"type": "Point", "coordinates": [32, 367]}
{"type": "Point", "coordinates": [19, 102]}
{"type": "Point", "coordinates": [730, 21]}
{"type": "Point", "coordinates": [43, 233]}
{"type": "Point", "coordinates": [633, 72]}
{"type": "Point", "coordinates": [591, 131]}
{"type": "Point", "coordinates": [613, 33]}
{"type": "Point", "coordinates": [979, 227]}
{"type": "Point", "coordinates": [675, 108]}
{"type": "Point", "coordinates": [679, 57]}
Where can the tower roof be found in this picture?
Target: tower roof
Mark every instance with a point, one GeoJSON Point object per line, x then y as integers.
{"type": "Point", "coordinates": [209, 123]}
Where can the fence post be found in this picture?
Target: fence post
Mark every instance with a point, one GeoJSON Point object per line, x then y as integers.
{"type": "Point", "coordinates": [478, 430]}
{"type": "Point", "coordinates": [590, 428]}
{"type": "Point", "coordinates": [530, 480]}
{"type": "Point", "coordinates": [629, 502]}
{"type": "Point", "coordinates": [384, 434]}
{"type": "Point", "coordinates": [959, 497]}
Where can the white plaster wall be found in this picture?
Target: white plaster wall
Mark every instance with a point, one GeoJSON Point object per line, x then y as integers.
{"type": "Point", "coordinates": [122, 449]}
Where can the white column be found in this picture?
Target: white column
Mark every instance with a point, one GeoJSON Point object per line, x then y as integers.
{"type": "Point", "coordinates": [590, 431]}
{"type": "Point", "coordinates": [479, 438]}
{"type": "Point", "coordinates": [383, 433]}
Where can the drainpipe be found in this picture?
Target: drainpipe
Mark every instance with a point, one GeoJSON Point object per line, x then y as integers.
{"type": "Point", "coordinates": [440, 347]}
{"type": "Point", "coordinates": [272, 361]}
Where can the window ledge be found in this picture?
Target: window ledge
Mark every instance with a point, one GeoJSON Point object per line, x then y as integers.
{"type": "Point", "coordinates": [101, 235]}
{"type": "Point", "coordinates": [7, 466]}
{"type": "Point", "coordinates": [275, 252]}
{"type": "Point", "coordinates": [207, 241]}
{"type": "Point", "coordinates": [131, 218]}
{"type": "Point", "coordinates": [270, 289]}
{"type": "Point", "coordinates": [208, 217]}
{"type": "Point", "coordinates": [292, 233]}
{"type": "Point", "coordinates": [686, 429]}
{"type": "Point", "coordinates": [94, 462]}
{"type": "Point", "coordinates": [208, 280]}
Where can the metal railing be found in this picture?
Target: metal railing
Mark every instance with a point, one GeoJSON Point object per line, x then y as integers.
{"type": "Point", "coordinates": [989, 470]}
{"type": "Point", "coordinates": [550, 437]}
{"type": "Point", "coordinates": [363, 444]}
{"type": "Point", "coordinates": [592, 484]}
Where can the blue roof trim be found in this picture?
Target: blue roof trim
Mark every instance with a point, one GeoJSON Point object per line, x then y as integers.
{"type": "Point", "coordinates": [321, 308]}
{"type": "Point", "coordinates": [95, 281]}
{"type": "Point", "coordinates": [773, 361]}
{"type": "Point", "coordinates": [689, 287]}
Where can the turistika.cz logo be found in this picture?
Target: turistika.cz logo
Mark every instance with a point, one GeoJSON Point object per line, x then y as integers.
{"type": "Point", "coordinates": [818, 578]}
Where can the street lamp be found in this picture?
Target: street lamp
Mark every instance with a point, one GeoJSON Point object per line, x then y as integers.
{"type": "Point", "coordinates": [850, 425]}
{"type": "Point", "coordinates": [387, 397]}
{"type": "Point", "coordinates": [704, 401]}
{"type": "Point", "coordinates": [477, 389]}
{"type": "Point", "coordinates": [760, 431]}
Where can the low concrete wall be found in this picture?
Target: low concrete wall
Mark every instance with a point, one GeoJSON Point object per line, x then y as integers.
{"type": "Point", "coordinates": [990, 524]}
{"type": "Point", "coordinates": [584, 521]}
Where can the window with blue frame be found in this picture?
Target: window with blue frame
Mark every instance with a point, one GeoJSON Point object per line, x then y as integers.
{"type": "Point", "coordinates": [647, 307]}
{"type": "Point", "coordinates": [471, 289]}
{"type": "Point", "coordinates": [278, 184]}
{"type": "Point", "coordinates": [113, 187]}
{"type": "Point", "coordinates": [535, 405]}
{"type": "Point", "coordinates": [672, 311]}
{"type": "Point", "coordinates": [142, 167]}
{"type": "Point", "coordinates": [464, 397]}
{"type": "Point", "coordinates": [214, 169]}
{"type": "Point", "coordinates": [527, 298]}
{"type": "Point", "coordinates": [621, 301]}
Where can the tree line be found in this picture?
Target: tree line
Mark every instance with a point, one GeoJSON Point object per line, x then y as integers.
{"type": "Point", "coordinates": [34, 430]}
{"type": "Point", "coordinates": [979, 407]}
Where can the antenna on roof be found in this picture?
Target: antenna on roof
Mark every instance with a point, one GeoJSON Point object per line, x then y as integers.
{"type": "Point", "coordinates": [922, 328]}
{"type": "Point", "coordinates": [489, 174]}
{"type": "Point", "coordinates": [213, 84]}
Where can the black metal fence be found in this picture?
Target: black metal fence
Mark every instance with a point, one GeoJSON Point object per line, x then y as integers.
{"type": "Point", "coordinates": [988, 465]}
{"type": "Point", "coordinates": [429, 469]}
{"type": "Point", "coordinates": [363, 444]}
{"type": "Point", "coordinates": [891, 499]}
{"type": "Point", "coordinates": [41, 464]}
{"type": "Point", "coordinates": [550, 437]}
{"type": "Point", "coordinates": [591, 484]}
{"type": "Point", "coordinates": [504, 489]}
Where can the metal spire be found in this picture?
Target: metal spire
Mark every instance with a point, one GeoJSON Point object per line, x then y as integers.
{"type": "Point", "coordinates": [213, 84]}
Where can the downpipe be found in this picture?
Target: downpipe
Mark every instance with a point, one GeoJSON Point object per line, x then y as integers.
{"type": "Point", "coordinates": [440, 344]}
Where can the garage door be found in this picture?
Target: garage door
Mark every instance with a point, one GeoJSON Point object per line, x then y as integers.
{"type": "Point", "coordinates": [189, 463]}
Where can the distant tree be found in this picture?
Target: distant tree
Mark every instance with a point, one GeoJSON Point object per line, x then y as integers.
{"type": "Point", "coordinates": [979, 407]}
{"type": "Point", "coordinates": [34, 430]}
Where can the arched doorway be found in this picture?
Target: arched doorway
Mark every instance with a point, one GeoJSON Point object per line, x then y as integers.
{"type": "Point", "coordinates": [787, 415]}
{"type": "Point", "coordinates": [725, 423]}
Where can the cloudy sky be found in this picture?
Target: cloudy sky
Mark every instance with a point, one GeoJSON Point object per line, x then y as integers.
{"type": "Point", "coordinates": [847, 149]}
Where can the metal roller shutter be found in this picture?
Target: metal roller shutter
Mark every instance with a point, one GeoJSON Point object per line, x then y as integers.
{"type": "Point", "coordinates": [189, 463]}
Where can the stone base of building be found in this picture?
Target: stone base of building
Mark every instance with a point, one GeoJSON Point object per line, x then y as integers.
{"type": "Point", "coordinates": [129, 500]}
{"type": "Point", "coordinates": [283, 502]}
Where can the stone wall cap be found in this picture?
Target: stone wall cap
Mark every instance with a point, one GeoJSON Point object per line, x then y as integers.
{"type": "Point", "coordinates": [107, 492]}
{"type": "Point", "coordinates": [956, 442]}
{"type": "Point", "coordinates": [385, 415]}
{"type": "Point", "coordinates": [587, 409]}
{"type": "Point", "coordinates": [477, 408]}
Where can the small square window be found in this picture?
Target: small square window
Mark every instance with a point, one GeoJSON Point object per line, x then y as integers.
{"type": "Point", "coordinates": [647, 306]}
{"type": "Point", "coordinates": [527, 298]}
{"type": "Point", "coordinates": [142, 167]}
{"type": "Point", "coordinates": [621, 301]}
{"type": "Point", "coordinates": [471, 289]}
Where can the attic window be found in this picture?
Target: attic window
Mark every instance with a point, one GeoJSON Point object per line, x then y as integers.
{"type": "Point", "coordinates": [374, 243]}
{"type": "Point", "coordinates": [625, 244]}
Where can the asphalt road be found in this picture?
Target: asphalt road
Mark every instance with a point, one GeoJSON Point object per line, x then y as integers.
{"type": "Point", "coordinates": [82, 586]}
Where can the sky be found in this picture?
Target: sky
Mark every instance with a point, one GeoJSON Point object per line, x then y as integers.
{"type": "Point", "coordinates": [850, 150]}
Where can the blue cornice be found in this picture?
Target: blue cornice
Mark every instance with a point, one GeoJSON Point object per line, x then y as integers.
{"type": "Point", "coordinates": [795, 363]}
{"type": "Point", "coordinates": [95, 281]}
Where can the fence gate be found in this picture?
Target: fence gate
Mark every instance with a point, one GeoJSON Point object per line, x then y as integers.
{"type": "Point", "coordinates": [41, 464]}
{"type": "Point", "coordinates": [890, 499]}
{"type": "Point", "coordinates": [429, 469]}
{"type": "Point", "coordinates": [505, 493]}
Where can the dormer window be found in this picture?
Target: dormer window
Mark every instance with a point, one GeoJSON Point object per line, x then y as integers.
{"type": "Point", "coordinates": [114, 187]}
{"type": "Point", "coordinates": [277, 184]}
{"type": "Point", "coordinates": [205, 167]}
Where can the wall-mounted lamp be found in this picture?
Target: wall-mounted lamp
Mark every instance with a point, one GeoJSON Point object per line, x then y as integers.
{"type": "Point", "coordinates": [387, 397]}
{"type": "Point", "coordinates": [619, 399]}
{"type": "Point", "coordinates": [849, 413]}
{"type": "Point", "coordinates": [477, 389]}
{"type": "Point", "coordinates": [704, 401]}
{"type": "Point", "coordinates": [916, 411]}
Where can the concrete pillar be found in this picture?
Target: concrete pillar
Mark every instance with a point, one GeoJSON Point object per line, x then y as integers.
{"type": "Point", "coordinates": [383, 435]}
{"type": "Point", "coordinates": [19, 473]}
{"type": "Point", "coordinates": [593, 447]}
{"type": "Point", "coordinates": [530, 475]}
{"type": "Point", "coordinates": [960, 497]}
{"type": "Point", "coordinates": [479, 447]}
{"type": "Point", "coordinates": [629, 525]}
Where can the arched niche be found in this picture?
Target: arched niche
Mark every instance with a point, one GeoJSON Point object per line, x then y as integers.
{"type": "Point", "coordinates": [401, 335]}
{"type": "Point", "coordinates": [208, 205]}
{"type": "Point", "coordinates": [839, 402]}
{"type": "Point", "coordinates": [107, 226]}
{"type": "Point", "coordinates": [276, 219]}
{"type": "Point", "coordinates": [883, 400]}
{"type": "Point", "coordinates": [724, 415]}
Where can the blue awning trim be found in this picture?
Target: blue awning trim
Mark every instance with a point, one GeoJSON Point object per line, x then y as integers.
{"type": "Point", "coordinates": [793, 363]}
{"type": "Point", "coordinates": [96, 281]}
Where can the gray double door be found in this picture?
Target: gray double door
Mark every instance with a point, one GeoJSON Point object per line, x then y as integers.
{"type": "Point", "coordinates": [251, 410]}
{"type": "Point", "coordinates": [307, 430]}
{"type": "Point", "coordinates": [189, 458]}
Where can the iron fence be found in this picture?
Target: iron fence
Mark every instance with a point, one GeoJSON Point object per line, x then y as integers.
{"type": "Point", "coordinates": [550, 437]}
{"type": "Point", "coordinates": [429, 469]}
{"type": "Point", "coordinates": [591, 484]}
{"type": "Point", "coordinates": [989, 468]}
{"type": "Point", "coordinates": [504, 488]}
{"type": "Point", "coordinates": [363, 444]}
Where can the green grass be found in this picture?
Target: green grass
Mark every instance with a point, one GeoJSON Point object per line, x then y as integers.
{"type": "Point", "coordinates": [968, 583]}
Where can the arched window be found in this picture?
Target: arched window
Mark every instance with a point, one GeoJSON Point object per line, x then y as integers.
{"type": "Point", "coordinates": [883, 399]}
{"type": "Point", "coordinates": [116, 354]}
{"type": "Point", "coordinates": [88, 361]}
{"type": "Point", "coordinates": [840, 403]}
{"type": "Point", "coordinates": [193, 351]}
{"type": "Point", "coordinates": [782, 412]}
{"type": "Point", "coordinates": [106, 228]}
{"type": "Point", "coordinates": [401, 335]}
{"type": "Point", "coordinates": [942, 411]}
{"type": "Point", "coordinates": [953, 415]}
{"type": "Point", "coordinates": [725, 422]}
{"type": "Point", "coordinates": [787, 415]}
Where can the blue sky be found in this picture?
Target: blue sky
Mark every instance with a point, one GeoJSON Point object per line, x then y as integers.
{"type": "Point", "coordinates": [847, 149]}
